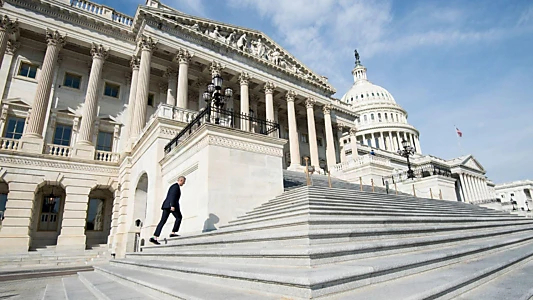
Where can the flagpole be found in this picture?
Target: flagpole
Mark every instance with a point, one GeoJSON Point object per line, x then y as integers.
{"type": "Point", "coordinates": [458, 141]}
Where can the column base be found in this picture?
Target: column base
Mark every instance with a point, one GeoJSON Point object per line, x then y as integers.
{"type": "Point", "coordinates": [32, 144]}
{"type": "Point", "coordinates": [14, 245]}
{"type": "Point", "coordinates": [296, 167]}
{"type": "Point", "coordinates": [71, 243]}
{"type": "Point", "coordinates": [82, 150]}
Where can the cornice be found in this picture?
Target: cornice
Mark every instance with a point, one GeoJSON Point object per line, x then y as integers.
{"type": "Point", "coordinates": [38, 163]}
{"type": "Point", "coordinates": [70, 14]}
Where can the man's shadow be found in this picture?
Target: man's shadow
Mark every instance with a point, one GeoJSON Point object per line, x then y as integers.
{"type": "Point", "coordinates": [209, 224]}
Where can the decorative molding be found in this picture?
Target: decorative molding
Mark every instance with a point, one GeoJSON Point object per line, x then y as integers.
{"type": "Point", "coordinates": [135, 62]}
{"type": "Point", "coordinates": [244, 78]}
{"type": "Point", "coordinates": [147, 43]}
{"type": "Point", "coordinates": [40, 163]}
{"type": "Point", "coordinates": [327, 109]}
{"type": "Point", "coordinates": [98, 51]}
{"type": "Point", "coordinates": [290, 96]}
{"type": "Point", "coordinates": [8, 26]}
{"type": "Point", "coordinates": [353, 131]}
{"type": "Point", "coordinates": [310, 102]}
{"type": "Point", "coordinates": [215, 68]}
{"type": "Point", "coordinates": [12, 47]}
{"type": "Point", "coordinates": [245, 146]}
{"type": "Point", "coordinates": [54, 38]}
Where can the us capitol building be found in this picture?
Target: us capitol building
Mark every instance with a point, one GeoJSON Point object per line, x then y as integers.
{"type": "Point", "coordinates": [91, 99]}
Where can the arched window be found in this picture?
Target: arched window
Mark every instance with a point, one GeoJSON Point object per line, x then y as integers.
{"type": "Point", "coordinates": [379, 117]}
{"type": "Point", "coordinates": [372, 117]}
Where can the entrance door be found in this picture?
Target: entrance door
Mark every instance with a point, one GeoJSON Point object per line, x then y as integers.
{"type": "Point", "coordinates": [49, 214]}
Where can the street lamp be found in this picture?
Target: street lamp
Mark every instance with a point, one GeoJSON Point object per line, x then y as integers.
{"type": "Point", "coordinates": [214, 95]}
{"type": "Point", "coordinates": [406, 152]}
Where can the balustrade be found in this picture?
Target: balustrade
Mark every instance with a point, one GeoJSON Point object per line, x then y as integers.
{"type": "Point", "coordinates": [103, 11]}
{"type": "Point", "coordinates": [107, 156]}
{"type": "Point", "coordinates": [359, 161]}
{"type": "Point", "coordinates": [58, 150]}
{"type": "Point", "coordinates": [9, 144]}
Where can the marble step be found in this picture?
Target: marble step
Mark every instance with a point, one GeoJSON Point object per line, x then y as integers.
{"type": "Point", "coordinates": [105, 288]}
{"type": "Point", "coordinates": [515, 284]}
{"type": "Point", "coordinates": [447, 282]}
{"type": "Point", "coordinates": [170, 287]}
{"type": "Point", "coordinates": [274, 254]}
{"type": "Point", "coordinates": [54, 291]}
{"type": "Point", "coordinates": [305, 282]}
{"type": "Point", "coordinates": [41, 271]}
{"type": "Point", "coordinates": [306, 235]}
{"type": "Point", "coordinates": [77, 290]}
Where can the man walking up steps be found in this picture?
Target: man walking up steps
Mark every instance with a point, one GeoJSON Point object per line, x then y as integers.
{"type": "Point", "coordinates": [171, 205]}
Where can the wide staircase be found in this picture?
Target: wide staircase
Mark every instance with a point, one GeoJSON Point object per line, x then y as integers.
{"type": "Point", "coordinates": [322, 243]}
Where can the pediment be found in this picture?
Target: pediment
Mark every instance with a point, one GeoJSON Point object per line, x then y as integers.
{"type": "Point", "coordinates": [17, 102]}
{"type": "Point", "coordinates": [247, 42]}
{"type": "Point", "coordinates": [66, 111]}
{"type": "Point", "coordinates": [472, 163]}
{"type": "Point", "coordinates": [109, 119]}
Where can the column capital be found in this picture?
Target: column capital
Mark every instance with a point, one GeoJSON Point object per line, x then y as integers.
{"type": "Point", "coordinates": [353, 131]}
{"type": "Point", "coordinates": [244, 78]}
{"type": "Point", "coordinates": [98, 51]}
{"type": "Point", "coordinates": [200, 83]}
{"type": "Point", "coordinates": [327, 109]}
{"type": "Point", "coordinates": [290, 96]}
{"type": "Point", "coordinates": [215, 67]}
{"type": "Point", "coordinates": [12, 47]}
{"type": "Point", "coordinates": [269, 87]}
{"type": "Point", "coordinates": [54, 38]}
{"type": "Point", "coordinates": [171, 72]}
{"type": "Point", "coordinates": [146, 43]}
{"type": "Point", "coordinates": [183, 56]}
{"type": "Point", "coordinates": [7, 25]}
{"type": "Point", "coordinates": [310, 102]}
{"type": "Point", "coordinates": [341, 127]}
{"type": "Point", "coordinates": [135, 62]}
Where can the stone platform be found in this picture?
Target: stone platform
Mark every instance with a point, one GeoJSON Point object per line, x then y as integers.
{"type": "Point", "coordinates": [322, 243]}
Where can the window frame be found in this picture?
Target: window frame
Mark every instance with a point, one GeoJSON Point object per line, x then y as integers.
{"type": "Point", "coordinates": [106, 82]}
{"type": "Point", "coordinates": [22, 60]}
{"type": "Point", "coordinates": [72, 74]}
{"type": "Point", "coordinates": [103, 210]}
{"type": "Point", "coordinates": [153, 100]}
{"type": "Point", "coordinates": [55, 132]}
{"type": "Point", "coordinates": [111, 140]}
{"type": "Point", "coordinates": [11, 117]}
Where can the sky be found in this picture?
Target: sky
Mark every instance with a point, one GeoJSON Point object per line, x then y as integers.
{"type": "Point", "coordinates": [449, 63]}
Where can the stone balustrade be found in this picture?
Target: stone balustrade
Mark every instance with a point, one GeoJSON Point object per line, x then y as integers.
{"type": "Point", "coordinates": [175, 113]}
{"type": "Point", "coordinates": [103, 11]}
{"type": "Point", "coordinates": [58, 150]}
{"type": "Point", "coordinates": [9, 144]}
{"type": "Point", "coordinates": [360, 161]}
{"type": "Point", "coordinates": [107, 156]}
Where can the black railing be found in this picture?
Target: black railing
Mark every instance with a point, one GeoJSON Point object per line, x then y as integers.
{"type": "Point", "coordinates": [226, 118]}
{"type": "Point", "coordinates": [419, 172]}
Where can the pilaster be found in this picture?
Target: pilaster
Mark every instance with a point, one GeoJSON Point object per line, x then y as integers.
{"type": "Point", "coordinates": [72, 235]}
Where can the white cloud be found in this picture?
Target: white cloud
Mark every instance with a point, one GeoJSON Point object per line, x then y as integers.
{"type": "Point", "coordinates": [193, 7]}
{"type": "Point", "coordinates": [526, 17]}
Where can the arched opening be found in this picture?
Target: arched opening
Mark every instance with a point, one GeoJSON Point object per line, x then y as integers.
{"type": "Point", "coordinates": [99, 213]}
{"type": "Point", "coordinates": [139, 213]}
{"type": "Point", "coordinates": [48, 207]}
{"type": "Point", "coordinates": [4, 190]}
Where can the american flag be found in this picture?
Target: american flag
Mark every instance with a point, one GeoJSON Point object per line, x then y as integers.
{"type": "Point", "coordinates": [459, 133]}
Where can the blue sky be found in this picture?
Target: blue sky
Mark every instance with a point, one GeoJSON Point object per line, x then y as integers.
{"type": "Point", "coordinates": [465, 63]}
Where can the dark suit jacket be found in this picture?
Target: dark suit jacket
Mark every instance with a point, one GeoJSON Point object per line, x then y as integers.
{"type": "Point", "coordinates": [173, 197]}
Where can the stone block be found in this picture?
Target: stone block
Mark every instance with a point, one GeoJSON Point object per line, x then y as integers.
{"type": "Point", "coordinates": [67, 242]}
{"type": "Point", "coordinates": [68, 223]}
{"type": "Point", "coordinates": [84, 151]}
{"type": "Point", "coordinates": [14, 245]}
{"type": "Point", "coordinates": [20, 204]}
{"type": "Point", "coordinates": [32, 144]}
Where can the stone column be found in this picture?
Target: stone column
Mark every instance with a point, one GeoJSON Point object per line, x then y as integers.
{"type": "Point", "coordinates": [147, 45]}
{"type": "Point", "coordinates": [34, 131]}
{"type": "Point", "coordinates": [293, 133]}
{"type": "Point", "coordinates": [134, 64]}
{"type": "Point", "coordinates": [244, 78]}
{"type": "Point", "coordinates": [353, 142]}
{"type": "Point", "coordinates": [6, 66]}
{"type": "Point", "coordinates": [90, 107]}
{"type": "Point", "coordinates": [183, 57]}
{"type": "Point", "coordinates": [462, 181]}
{"type": "Point", "coordinates": [202, 86]}
{"type": "Point", "coordinates": [7, 27]}
{"type": "Point", "coordinates": [171, 75]}
{"type": "Point", "coordinates": [72, 235]}
{"type": "Point", "coordinates": [417, 142]}
{"type": "Point", "coordinates": [372, 140]}
{"type": "Point", "coordinates": [311, 128]}
{"type": "Point", "coordinates": [330, 144]}
{"type": "Point", "coordinates": [276, 120]}
{"type": "Point", "coordinates": [381, 141]}
{"type": "Point", "coordinates": [342, 150]}
{"type": "Point", "coordinates": [470, 188]}
{"type": "Point", "coordinates": [269, 101]}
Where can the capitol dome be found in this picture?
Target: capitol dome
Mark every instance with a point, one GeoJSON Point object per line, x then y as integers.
{"type": "Point", "coordinates": [382, 123]}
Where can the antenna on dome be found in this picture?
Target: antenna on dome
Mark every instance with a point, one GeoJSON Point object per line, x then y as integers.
{"type": "Point", "coordinates": [356, 54]}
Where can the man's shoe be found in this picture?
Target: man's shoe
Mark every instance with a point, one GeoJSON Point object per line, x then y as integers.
{"type": "Point", "coordinates": [174, 235]}
{"type": "Point", "coordinates": [154, 241]}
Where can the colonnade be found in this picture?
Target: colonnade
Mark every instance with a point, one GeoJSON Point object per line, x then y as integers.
{"type": "Point", "coordinates": [474, 187]}
{"type": "Point", "coordinates": [390, 140]}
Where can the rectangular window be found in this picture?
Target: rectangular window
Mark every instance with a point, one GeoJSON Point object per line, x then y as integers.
{"type": "Point", "coordinates": [28, 70]}
{"type": "Point", "coordinates": [151, 100]}
{"type": "Point", "coordinates": [62, 135]}
{"type": "Point", "coordinates": [15, 127]}
{"type": "Point", "coordinates": [377, 142]}
{"type": "Point", "coordinates": [104, 142]}
{"type": "Point", "coordinates": [95, 215]}
{"type": "Point", "coordinates": [369, 143]}
{"type": "Point", "coordinates": [319, 142]}
{"type": "Point", "coordinates": [111, 90]}
{"type": "Point", "coordinates": [72, 81]}
{"type": "Point", "coordinates": [303, 138]}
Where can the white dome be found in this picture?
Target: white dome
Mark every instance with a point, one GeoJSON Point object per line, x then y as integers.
{"type": "Point", "coordinates": [363, 92]}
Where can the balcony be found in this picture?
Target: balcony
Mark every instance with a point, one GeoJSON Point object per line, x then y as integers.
{"type": "Point", "coordinates": [9, 144]}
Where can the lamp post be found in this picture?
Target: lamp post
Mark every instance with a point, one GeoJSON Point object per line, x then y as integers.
{"type": "Point", "coordinates": [214, 95]}
{"type": "Point", "coordinates": [406, 152]}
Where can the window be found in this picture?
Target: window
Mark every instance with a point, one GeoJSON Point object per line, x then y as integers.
{"type": "Point", "coordinates": [304, 138]}
{"type": "Point", "coordinates": [62, 135]}
{"type": "Point", "coordinates": [372, 117]}
{"type": "Point", "coordinates": [362, 96]}
{"type": "Point", "coordinates": [319, 142]}
{"type": "Point", "coordinates": [95, 215]}
{"type": "Point", "coordinates": [3, 202]}
{"type": "Point", "coordinates": [49, 214]}
{"type": "Point", "coordinates": [72, 81]}
{"type": "Point", "coordinates": [111, 90]}
{"type": "Point", "coordinates": [28, 70]}
{"type": "Point", "coordinates": [15, 127]}
{"type": "Point", "coordinates": [379, 117]}
{"type": "Point", "coordinates": [369, 143]}
{"type": "Point", "coordinates": [377, 142]}
{"type": "Point", "coordinates": [386, 117]}
{"type": "Point", "coordinates": [104, 142]}
{"type": "Point", "coordinates": [366, 119]}
{"type": "Point", "coordinates": [372, 94]}
{"type": "Point", "coordinates": [151, 100]}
